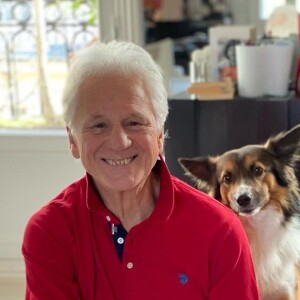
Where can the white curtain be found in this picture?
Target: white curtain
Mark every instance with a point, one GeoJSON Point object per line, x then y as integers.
{"type": "Point", "coordinates": [121, 20]}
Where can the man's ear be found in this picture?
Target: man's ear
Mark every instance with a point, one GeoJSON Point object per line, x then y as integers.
{"type": "Point", "coordinates": [160, 142]}
{"type": "Point", "coordinates": [73, 144]}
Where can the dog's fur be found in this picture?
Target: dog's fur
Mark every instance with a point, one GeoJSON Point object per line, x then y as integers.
{"type": "Point", "coordinates": [258, 182]}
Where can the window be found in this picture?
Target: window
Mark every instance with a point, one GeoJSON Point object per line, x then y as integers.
{"type": "Point", "coordinates": [267, 7]}
{"type": "Point", "coordinates": [37, 40]}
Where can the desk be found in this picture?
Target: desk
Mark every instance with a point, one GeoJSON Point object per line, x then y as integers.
{"type": "Point", "coordinates": [199, 128]}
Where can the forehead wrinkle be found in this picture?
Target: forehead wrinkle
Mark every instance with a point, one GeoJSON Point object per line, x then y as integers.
{"type": "Point", "coordinates": [97, 116]}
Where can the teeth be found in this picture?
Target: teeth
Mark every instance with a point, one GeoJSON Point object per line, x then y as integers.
{"type": "Point", "coordinates": [121, 162]}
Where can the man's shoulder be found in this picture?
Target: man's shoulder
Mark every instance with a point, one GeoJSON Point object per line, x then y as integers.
{"type": "Point", "coordinates": [203, 213]}
{"type": "Point", "coordinates": [53, 228]}
{"type": "Point", "coordinates": [186, 195]}
{"type": "Point", "coordinates": [64, 204]}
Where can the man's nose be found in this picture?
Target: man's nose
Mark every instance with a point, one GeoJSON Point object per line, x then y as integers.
{"type": "Point", "coordinates": [119, 138]}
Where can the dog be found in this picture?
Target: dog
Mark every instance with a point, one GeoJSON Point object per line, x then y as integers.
{"type": "Point", "coordinates": [258, 182]}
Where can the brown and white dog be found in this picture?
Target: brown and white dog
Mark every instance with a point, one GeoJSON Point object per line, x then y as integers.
{"type": "Point", "coordinates": [258, 182]}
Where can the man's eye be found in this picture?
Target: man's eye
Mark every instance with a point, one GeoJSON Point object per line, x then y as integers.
{"type": "Point", "coordinates": [99, 125]}
{"type": "Point", "coordinates": [133, 123]}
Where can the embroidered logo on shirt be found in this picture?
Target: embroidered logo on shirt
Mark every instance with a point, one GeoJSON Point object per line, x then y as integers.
{"type": "Point", "coordinates": [183, 279]}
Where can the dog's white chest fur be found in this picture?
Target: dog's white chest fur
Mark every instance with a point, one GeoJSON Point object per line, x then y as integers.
{"type": "Point", "coordinates": [276, 250]}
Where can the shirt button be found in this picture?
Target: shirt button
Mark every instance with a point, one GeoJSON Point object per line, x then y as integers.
{"type": "Point", "coordinates": [130, 265]}
{"type": "Point", "coordinates": [108, 218]}
{"type": "Point", "coordinates": [120, 240]}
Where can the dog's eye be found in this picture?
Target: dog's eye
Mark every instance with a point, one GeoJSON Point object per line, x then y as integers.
{"type": "Point", "coordinates": [227, 179]}
{"type": "Point", "coordinates": [257, 171]}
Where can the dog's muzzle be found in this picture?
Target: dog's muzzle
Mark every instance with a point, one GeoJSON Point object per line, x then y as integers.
{"type": "Point", "coordinates": [247, 200]}
{"type": "Point", "coordinates": [245, 204]}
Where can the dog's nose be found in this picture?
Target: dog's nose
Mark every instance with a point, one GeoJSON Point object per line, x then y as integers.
{"type": "Point", "coordinates": [243, 200]}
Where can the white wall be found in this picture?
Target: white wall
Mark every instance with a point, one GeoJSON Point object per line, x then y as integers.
{"type": "Point", "coordinates": [246, 12]}
{"type": "Point", "coordinates": [34, 167]}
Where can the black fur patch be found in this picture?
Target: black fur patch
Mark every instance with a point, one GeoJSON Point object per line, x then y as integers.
{"type": "Point", "coordinates": [280, 176]}
{"type": "Point", "coordinates": [293, 207]}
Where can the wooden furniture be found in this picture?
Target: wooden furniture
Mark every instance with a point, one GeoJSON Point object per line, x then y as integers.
{"type": "Point", "coordinates": [198, 128]}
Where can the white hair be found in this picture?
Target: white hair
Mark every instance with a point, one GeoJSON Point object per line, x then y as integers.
{"type": "Point", "coordinates": [120, 57]}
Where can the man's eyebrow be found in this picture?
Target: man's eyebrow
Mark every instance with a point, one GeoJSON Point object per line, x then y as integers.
{"type": "Point", "coordinates": [92, 118]}
{"type": "Point", "coordinates": [95, 117]}
{"type": "Point", "coordinates": [137, 115]}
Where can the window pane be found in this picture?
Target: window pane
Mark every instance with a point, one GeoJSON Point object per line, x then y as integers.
{"type": "Point", "coordinates": [267, 7]}
{"type": "Point", "coordinates": [298, 5]}
{"type": "Point", "coordinates": [37, 41]}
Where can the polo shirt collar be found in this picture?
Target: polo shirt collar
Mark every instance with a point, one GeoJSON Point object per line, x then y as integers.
{"type": "Point", "coordinates": [164, 204]}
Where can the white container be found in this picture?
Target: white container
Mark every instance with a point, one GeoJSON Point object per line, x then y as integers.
{"type": "Point", "coordinates": [250, 70]}
{"type": "Point", "coordinates": [278, 67]}
{"type": "Point", "coordinates": [264, 69]}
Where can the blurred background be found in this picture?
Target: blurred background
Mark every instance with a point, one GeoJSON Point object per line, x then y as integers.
{"type": "Point", "coordinates": [39, 38]}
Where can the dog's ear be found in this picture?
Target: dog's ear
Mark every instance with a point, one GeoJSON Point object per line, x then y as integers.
{"type": "Point", "coordinates": [285, 146]}
{"type": "Point", "coordinates": [202, 170]}
{"type": "Point", "coordinates": [200, 167]}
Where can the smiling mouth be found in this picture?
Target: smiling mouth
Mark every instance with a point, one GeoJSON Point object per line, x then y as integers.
{"type": "Point", "coordinates": [119, 162]}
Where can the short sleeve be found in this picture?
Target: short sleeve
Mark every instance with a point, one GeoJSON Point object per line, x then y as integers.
{"type": "Point", "coordinates": [232, 271]}
{"type": "Point", "coordinates": [47, 251]}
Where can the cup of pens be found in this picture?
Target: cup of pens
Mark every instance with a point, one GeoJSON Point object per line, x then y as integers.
{"type": "Point", "coordinates": [264, 69]}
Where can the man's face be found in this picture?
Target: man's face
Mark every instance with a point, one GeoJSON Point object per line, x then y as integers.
{"type": "Point", "coordinates": [115, 133]}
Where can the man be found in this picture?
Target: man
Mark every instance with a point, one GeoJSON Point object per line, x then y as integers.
{"type": "Point", "coordinates": [128, 229]}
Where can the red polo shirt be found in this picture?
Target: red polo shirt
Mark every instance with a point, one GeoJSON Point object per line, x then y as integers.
{"type": "Point", "coordinates": [191, 247]}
